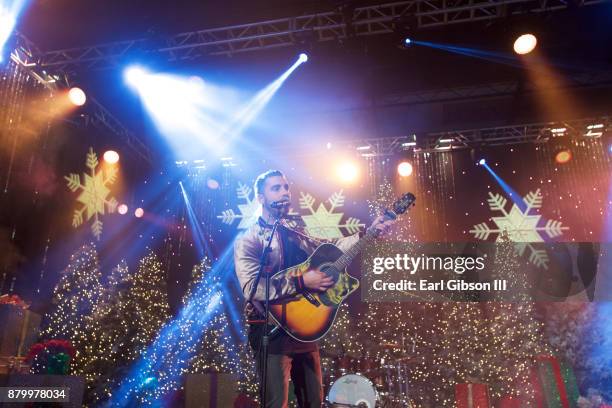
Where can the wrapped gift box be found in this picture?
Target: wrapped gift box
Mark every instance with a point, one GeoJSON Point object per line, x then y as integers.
{"type": "Point", "coordinates": [510, 402]}
{"type": "Point", "coordinates": [468, 395]}
{"type": "Point", "coordinates": [19, 330]}
{"type": "Point", "coordinates": [554, 383]}
{"type": "Point", "coordinates": [13, 365]}
{"type": "Point", "coordinates": [210, 390]}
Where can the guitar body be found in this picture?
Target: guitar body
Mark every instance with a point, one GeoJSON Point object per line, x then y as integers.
{"type": "Point", "coordinates": [309, 316]}
{"type": "Point", "coordinates": [298, 316]}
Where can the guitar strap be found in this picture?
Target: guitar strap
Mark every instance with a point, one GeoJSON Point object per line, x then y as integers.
{"type": "Point", "coordinates": [292, 253]}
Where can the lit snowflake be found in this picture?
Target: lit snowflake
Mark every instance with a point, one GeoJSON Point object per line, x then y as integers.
{"type": "Point", "coordinates": [325, 223]}
{"type": "Point", "coordinates": [520, 226]}
{"type": "Point", "coordinates": [250, 210]}
{"type": "Point", "coordinates": [320, 223]}
{"type": "Point", "coordinates": [94, 193]}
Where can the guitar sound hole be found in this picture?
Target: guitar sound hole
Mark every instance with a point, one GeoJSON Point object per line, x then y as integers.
{"type": "Point", "coordinates": [330, 271]}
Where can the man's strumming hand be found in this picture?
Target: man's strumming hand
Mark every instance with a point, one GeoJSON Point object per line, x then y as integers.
{"type": "Point", "coordinates": [317, 280]}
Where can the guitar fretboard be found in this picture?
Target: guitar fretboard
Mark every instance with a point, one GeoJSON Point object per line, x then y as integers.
{"type": "Point", "coordinates": [344, 261]}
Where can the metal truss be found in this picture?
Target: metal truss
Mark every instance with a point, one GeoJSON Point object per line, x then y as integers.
{"type": "Point", "coordinates": [99, 116]}
{"type": "Point", "coordinates": [437, 142]}
{"type": "Point", "coordinates": [103, 119]}
{"type": "Point", "coordinates": [588, 128]}
{"type": "Point", "coordinates": [326, 26]}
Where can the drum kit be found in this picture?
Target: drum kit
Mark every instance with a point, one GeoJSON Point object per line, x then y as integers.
{"type": "Point", "coordinates": [379, 380]}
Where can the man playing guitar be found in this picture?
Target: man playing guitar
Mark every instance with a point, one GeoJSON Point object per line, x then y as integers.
{"type": "Point", "coordinates": [288, 357]}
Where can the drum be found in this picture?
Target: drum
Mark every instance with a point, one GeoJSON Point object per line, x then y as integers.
{"type": "Point", "coordinates": [353, 390]}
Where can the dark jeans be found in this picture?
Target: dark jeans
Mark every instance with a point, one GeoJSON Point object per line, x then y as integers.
{"type": "Point", "coordinates": [304, 369]}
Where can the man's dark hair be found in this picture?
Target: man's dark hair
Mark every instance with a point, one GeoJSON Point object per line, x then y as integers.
{"type": "Point", "coordinates": [261, 179]}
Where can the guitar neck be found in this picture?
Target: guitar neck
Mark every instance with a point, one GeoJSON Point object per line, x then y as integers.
{"type": "Point", "coordinates": [345, 260]}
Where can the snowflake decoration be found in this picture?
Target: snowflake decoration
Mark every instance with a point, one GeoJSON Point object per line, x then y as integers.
{"type": "Point", "coordinates": [520, 226]}
{"type": "Point", "coordinates": [249, 211]}
{"type": "Point", "coordinates": [94, 193]}
{"type": "Point", "coordinates": [324, 223]}
{"type": "Point", "coordinates": [320, 223]}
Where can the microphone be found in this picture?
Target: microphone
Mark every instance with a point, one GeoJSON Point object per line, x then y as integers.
{"type": "Point", "coordinates": [280, 204]}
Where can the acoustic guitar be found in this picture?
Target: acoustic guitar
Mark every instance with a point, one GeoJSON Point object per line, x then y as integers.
{"type": "Point", "coordinates": [308, 316]}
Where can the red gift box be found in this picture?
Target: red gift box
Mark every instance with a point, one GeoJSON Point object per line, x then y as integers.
{"type": "Point", "coordinates": [554, 383]}
{"type": "Point", "coordinates": [510, 402]}
{"type": "Point", "coordinates": [472, 395]}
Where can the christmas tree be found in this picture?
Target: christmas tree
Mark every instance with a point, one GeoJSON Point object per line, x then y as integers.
{"type": "Point", "coordinates": [443, 344]}
{"type": "Point", "coordinates": [515, 335]}
{"type": "Point", "coordinates": [597, 371]}
{"type": "Point", "coordinates": [579, 333]}
{"type": "Point", "coordinates": [214, 350]}
{"type": "Point", "coordinates": [108, 336]}
{"type": "Point", "coordinates": [148, 301]}
{"type": "Point", "coordinates": [74, 298]}
{"type": "Point", "coordinates": [213, 345]}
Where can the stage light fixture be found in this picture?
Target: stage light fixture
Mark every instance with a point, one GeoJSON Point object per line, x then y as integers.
{"type": "Point", "coordinates": [482, 162]}
{"type": "Point", "coordinates": [347, 171]}
{"type": "Point", "coordinates": [111, 156]}
{"type": "Point", "coordinates": [77, 96]}
{"type": "Point", "coordinates": [404, 169]}
{"type": "Point", "coordinates": [407, 41]}
{"type": "Point", "coordinates": [122, 209]}
{"type": "Point", "coordinates": [563, 156]}
{"type": "Point", "coordinates": [525, 43]}
{"type": "Point", "coordinates": [212, 184]}
{"type": "Point", "coordinates": [139, 212]}
{"type": "Point", "coordinates": [303, 57]}
{"type": "Point", "coordinates": [134, 75]}
{"type": "Point", "coordinates": [594, 130]}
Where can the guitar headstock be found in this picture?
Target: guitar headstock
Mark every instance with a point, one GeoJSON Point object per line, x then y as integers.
{"type": "Point", "coordinates": [401, 205]}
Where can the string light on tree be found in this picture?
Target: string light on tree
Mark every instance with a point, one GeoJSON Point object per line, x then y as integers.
{"type": "Point", "coordinates": [148, 302]}
{"type": "Point", "coordinates": [74, 297]}
{"type": "Point", "coordinates": [108, 337]}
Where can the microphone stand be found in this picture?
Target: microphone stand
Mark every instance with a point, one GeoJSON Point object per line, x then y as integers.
{"type": "Point", "coordinates": [265, 339]}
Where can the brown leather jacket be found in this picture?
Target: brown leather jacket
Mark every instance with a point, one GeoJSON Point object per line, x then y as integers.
{"type": "Point", "coordinates": [247, 253]}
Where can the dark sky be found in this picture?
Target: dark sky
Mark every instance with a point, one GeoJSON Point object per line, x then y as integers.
{"type": "Point", "coordinates": [65, 23]}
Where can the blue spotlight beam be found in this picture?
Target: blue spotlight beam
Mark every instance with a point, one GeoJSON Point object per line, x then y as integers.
{"type": "Point", "coordinates": [601, 326]}
{"type": "Point", "coordinates": [10, 11]}
{"type": "Point", "coordinates": [503, 58]}
{"type": "Point", "coordinates": [514, 196]}
{"type": "Point", "coordinates": [161, 365]}
{"type": "Point", "coordinates": [259, 102]}
{"type": "Point", "coordinates": [188, 112]}
{"type": "Point", "coordinates": [496, 57]}
{"type": "Point", "coordinates": [198, 235]}
{"type": "Point", "coordinates": [200, 116]}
